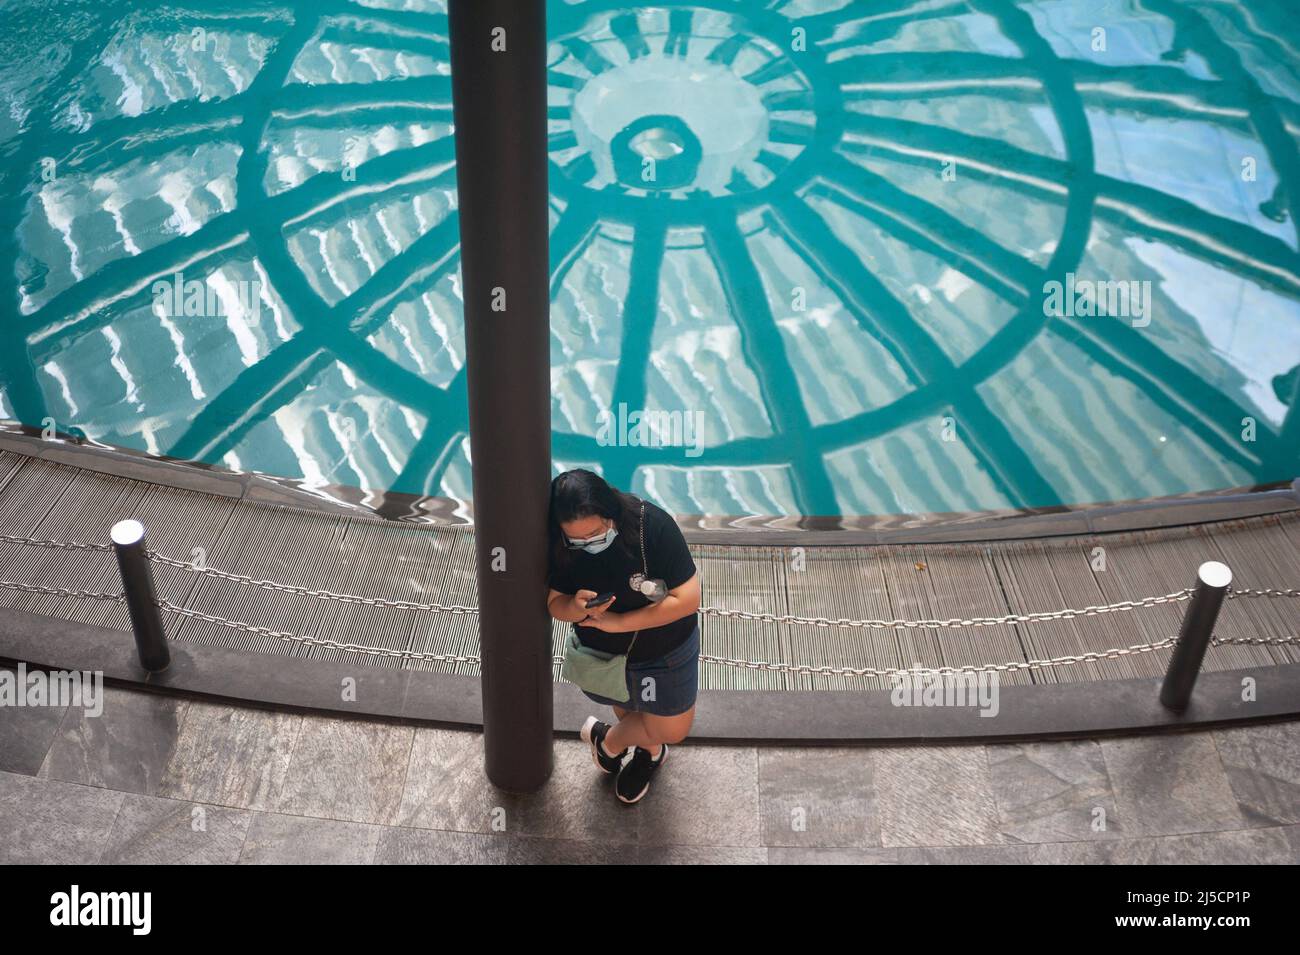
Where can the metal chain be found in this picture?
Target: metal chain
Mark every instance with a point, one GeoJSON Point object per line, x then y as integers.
{"type": "Point", "coordinates": [1067, 614]}
{"type": "Point", "coordinates": [305, 592]}
{"type": "Point", "coordinates": [59, 545]}
{"type": "Point", "coordinates": [316, 641]}
{"type": "Point", "coordinates": [60, 592]}
{"type": "Point", "coordinates": [825, 670]}
{"type": "Point", "coordinates": [1254, 641]}
{"type": "Point", "coordinates": [1265, 592]}
{"type": "Point", "coordinates": [985, 668]}
{"type": "Point", "coordinates": [705, 658]}
{"type": "Point", "coordinates": [1120, 606]}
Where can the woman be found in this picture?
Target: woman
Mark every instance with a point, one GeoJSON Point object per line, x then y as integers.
{"type": "Point", "coordinates": [595, 549]}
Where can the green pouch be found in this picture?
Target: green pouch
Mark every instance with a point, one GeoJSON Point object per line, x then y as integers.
{"type": "Point", "coordinates": [604, 674]}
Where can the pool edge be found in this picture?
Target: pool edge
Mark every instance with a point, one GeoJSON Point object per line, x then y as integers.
{"type": "Point", "coordinates": [959, 527]}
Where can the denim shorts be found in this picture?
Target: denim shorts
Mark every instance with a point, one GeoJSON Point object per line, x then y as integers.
{"type": "Point", "coordinates": [676, 677]}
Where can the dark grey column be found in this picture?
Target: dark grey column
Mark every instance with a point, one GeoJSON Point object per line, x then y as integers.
{"type": "Point", "coordinates": [141, 598]}
{"type": "Point", "coordinates": [498, 79]}
{"type": "Point", "coordinates": [1212, 582]}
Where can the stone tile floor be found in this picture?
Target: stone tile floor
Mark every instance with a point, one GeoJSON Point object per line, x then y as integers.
{"type": "Point", "coordinates": [161, 779]}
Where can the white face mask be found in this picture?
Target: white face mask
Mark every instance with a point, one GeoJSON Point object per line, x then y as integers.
{"type": "Point", "coordinates": [595, 545]}
{"type": "Point", "coordinates": [599, 546]}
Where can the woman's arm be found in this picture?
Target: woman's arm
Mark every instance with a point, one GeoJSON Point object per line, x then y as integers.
{"type": "Point", "coordinates": [571, 608]}
{"type": "Point", "coordinates": [681, 601]}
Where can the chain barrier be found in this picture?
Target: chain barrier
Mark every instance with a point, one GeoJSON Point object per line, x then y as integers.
{"type": "Point", "coordinates": [825, 670]}
{"type": "Point", "coordinates": [1253, 641]}
{"type": "Point", "coordinates": [1120, 606]}
{"type": "Point", "coordinates": [305, 592]}
{"type": "Point", "coordinates": [981, 668]}
{"type": "Point", "coordinates": [316, 641]}
{"type": "Point", "coordinates": [1067, 614]}
{"type": "Point", "coordinates": [60, 591]}
{"type": "Point", "coordinates": [955, 622]}
{"type": "Point", "coordinates": [1265, 592]}
{"type": "Point", "coordinates": [59, 545]}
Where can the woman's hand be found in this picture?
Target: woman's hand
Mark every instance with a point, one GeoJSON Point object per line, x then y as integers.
{"type": "Point", "coordinates": [595, 613]}
{"type": "Point", "coordinates": [681, 601]}
{"type": "Point", "coordinates": [610, 624]}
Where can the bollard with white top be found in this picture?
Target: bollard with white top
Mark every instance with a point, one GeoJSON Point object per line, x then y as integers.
{"type": "Point", "coordinates": [141, 599]}
{"type": "Point", "coordinates": [1212, 581]}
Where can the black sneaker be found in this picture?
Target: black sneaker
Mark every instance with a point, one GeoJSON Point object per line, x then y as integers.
{"type": "Point", "coordinates": [593, 731]}
{"type": "Point", "coordinates": [634, 778]}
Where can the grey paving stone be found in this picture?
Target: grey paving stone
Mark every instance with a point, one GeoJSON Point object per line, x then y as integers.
{"type": "Point", "coordinates": [45, 821]}
{"type": "Point", "coordinates": [966, 855]}
{"type": "Point", "coordinates": [446, 788]}
{"type": "Point", "coordinates": [780, 855]}
{"type": "Point", "coordinates": [26, 733]}
{"type": "Point", "coordinates": [401, 846]}
{"type": "Point", "coordinates": [703, 796]}
{"type": "Point", "coordinates": [1262, 764]}
{"type": "Point", "coordinates": [817, 796]}
{"type": "Point", "coordinates": [577, 802]}
{"type": "Point", "coordinates": [1242, 847]}
{"type": "Point", "coordinates": [935, 796]}
{"type": "Point", "coordinates": [701, 855]}
{"type": "Point", "coordinates": [276, 839]}
{"type": "Point", "coordinates": [153, 831]}
{"type": "Point", "coordinates": [1076, 853]}
{"type": "Point", "coordinates": [347, 769]}
{"type": "Point", "coordinates": [1053, 792]}
{"type": "Point", "coordinates": [1170, 784]}
{"type": "Point", "coordinates": [1293, 837]}
{"type": "Point", "coordinates": [328, 790]}
{"type": "Point", "coordinates": [231, 756]}
{"type": "Point", "coordinates": [125, 748]}
{"type": "Point", "coordinates": [528, 850]}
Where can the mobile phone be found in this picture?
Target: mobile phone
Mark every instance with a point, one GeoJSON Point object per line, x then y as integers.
{"type": "Point", "coordinates": [600, 599]}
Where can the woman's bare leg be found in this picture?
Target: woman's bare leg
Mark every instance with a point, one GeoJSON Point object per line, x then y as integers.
{"type": "Point", "coordinates": [608, 745]}
{"type": "Point", "coordinates": [630, 731]}
{"type": "Point", "coordinates": [668, 729]}
{"type": "Point", "coordinates": [649, 731]}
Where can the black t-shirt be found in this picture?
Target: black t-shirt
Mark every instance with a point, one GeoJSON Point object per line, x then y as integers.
{"type": "Point", "coordinates": [666, 556]}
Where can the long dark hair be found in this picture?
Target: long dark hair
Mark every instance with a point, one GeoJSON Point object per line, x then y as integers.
{"type": "Point", "coordinates": [582, 493]}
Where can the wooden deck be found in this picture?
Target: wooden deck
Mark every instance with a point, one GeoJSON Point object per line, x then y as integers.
{"type": "Point", "coordinates": [371, 558]}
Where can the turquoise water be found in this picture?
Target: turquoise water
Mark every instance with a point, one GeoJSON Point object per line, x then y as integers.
{"type": "Point", "coordinates": [816, 240]}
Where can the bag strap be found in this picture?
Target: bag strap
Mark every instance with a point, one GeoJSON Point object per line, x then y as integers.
{"type": "Point", "coordinates": [645, 570]}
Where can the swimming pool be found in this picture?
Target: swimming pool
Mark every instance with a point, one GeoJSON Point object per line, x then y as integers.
{"type": "Point", "coordinates": [814, 257]}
